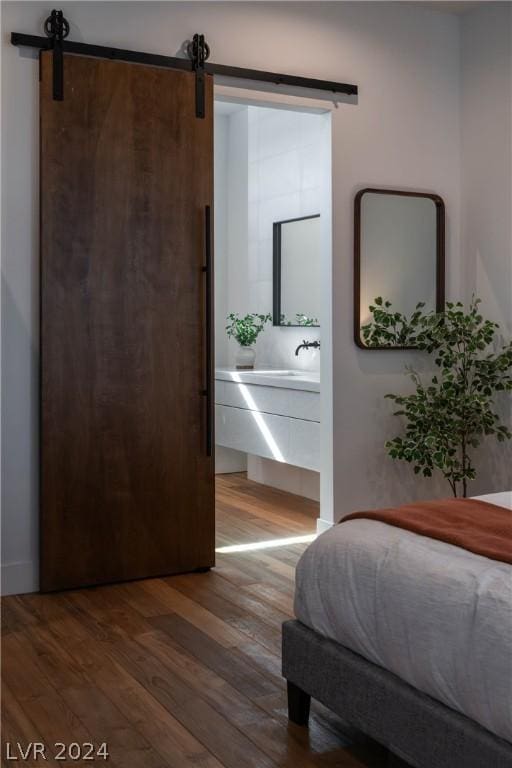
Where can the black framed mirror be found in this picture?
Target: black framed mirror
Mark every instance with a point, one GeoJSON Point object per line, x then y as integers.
{"type": "Point", "coordinates": [399, 260]}
{"type": "Point", "coordinates": [297, 272]}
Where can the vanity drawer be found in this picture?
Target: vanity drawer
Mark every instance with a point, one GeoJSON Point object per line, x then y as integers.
{"type": "Point", "coordinates": [284, 439]}
{"type": "Point", "coordinates": [295, 403]}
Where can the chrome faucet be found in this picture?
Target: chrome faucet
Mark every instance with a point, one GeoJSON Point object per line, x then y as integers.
{"type": "Point", "coordinates": [307, 345]}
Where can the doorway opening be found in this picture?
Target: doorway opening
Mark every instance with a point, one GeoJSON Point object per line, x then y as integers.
{"type": "Point", "coordinates": [273, 321]}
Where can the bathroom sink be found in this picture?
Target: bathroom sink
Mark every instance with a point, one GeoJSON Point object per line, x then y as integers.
{"type": "Point", "coordinates": [271, 372]}
{"type": "Point", "coordinates": [280, 377]}
{"type": "Point", "coordinates": [313, 375]}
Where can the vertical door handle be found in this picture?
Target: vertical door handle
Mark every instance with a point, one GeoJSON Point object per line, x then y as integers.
{"type": "Point", "coordinates": [207, 271]}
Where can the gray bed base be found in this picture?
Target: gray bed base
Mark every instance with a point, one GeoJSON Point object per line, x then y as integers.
{"type": "Point", "coordinates": [412, 725]}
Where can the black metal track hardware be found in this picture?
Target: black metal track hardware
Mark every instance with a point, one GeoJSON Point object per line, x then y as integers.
{"type": "Point", "coordinates": [199, 64]}
{"type": "Point", "coordinates": [57, 28]}
{"type": "Point", "coordinates": [198, 51]}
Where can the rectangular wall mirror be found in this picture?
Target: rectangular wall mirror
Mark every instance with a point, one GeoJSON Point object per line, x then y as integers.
{"type": "Point", "coordinates": [296, 280]}
{"type": "Point", "coordinates": [398, 258]}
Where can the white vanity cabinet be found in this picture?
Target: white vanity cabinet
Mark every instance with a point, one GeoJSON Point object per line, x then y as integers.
{"type": "Point", "coordinates": [274, 414]}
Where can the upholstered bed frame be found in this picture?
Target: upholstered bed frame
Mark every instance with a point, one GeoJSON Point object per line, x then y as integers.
{"type": "Point", "coordinates": [412, 725]}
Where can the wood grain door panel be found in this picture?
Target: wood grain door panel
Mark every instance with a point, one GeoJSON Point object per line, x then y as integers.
{"type": "Point", "coordinates": [127, 490]}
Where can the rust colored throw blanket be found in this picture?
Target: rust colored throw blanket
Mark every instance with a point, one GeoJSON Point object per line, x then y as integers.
{"type": "Point", "coordinates": [477, 526]}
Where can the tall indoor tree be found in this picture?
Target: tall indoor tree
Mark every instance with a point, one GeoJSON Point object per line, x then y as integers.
{"type": "Point", "coordinates": [448, 417]}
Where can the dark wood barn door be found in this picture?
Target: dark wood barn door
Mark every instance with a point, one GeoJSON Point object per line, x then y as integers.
{"type": "Point", "coordinates": [127, 485]}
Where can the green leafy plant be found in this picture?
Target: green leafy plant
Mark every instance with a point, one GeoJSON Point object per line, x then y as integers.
{"type": "Point", "coordinates": [306, 321]}
{"type": "Point", "coordinates": [451, 414]}
{"type": "Point", "coordinates": [302, 320]}
{"type": "Point", "coordinates": [246, 329]}
{"type": "Point", "coordinates": [389, 328]}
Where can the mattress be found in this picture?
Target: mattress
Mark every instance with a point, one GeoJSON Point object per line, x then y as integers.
{"type": "Point", "coordinates": [436, 615]}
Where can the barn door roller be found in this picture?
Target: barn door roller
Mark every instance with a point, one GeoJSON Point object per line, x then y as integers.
{"type": "Point", "coordinates": [198, 51]}
{"type": "Point", "coordinates": [57, 28]}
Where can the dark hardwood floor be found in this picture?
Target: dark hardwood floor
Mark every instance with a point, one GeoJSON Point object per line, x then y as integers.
{"type": "Point", "coordinates": [181, 671]}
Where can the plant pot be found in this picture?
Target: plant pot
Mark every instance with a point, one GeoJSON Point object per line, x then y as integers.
{"type": "Point", "coordinates": [245, 358]}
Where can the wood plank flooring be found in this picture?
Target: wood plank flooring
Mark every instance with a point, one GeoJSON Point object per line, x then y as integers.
{"type": "Point", "coordinates": [175, 672]}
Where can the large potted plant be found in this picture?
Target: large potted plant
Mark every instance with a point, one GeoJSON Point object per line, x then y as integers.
{"type": "Point", "coordinates": [448, 417]}
{"type": "Point", "coordinates": [245, 330]}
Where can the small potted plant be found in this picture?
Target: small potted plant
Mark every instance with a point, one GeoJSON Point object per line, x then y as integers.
{"type": "Point", "coordinates": [246, 330]}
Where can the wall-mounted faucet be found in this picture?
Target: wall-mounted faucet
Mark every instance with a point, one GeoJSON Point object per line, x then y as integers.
{"type": "Point", "coordinates": [307, 345]}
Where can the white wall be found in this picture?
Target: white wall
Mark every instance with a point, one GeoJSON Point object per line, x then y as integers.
{"type": "Point", "coordinates": [486, 162]}
{"type": "Point", "coordinates": [404, 132]}
{"type": "Point", "coordinates": [221, 146]}
{"type": "Point", "coordinates": [486, 111]}
{"type": "Point", "coordinates": [226, 459]}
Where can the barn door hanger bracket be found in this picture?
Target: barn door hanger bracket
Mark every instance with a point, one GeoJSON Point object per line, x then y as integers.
{"type": "Point", "coordinates": [56, 28]}
{"type": "Point", "coordinates": [199, 51]}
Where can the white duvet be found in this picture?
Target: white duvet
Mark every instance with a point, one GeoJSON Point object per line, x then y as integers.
{"type": "Point", "coordinates": [436, 615]}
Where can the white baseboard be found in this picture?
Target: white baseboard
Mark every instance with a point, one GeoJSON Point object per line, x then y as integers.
{"type": "Point", "coordinates": [19, 578]}
{"type": "Point", "coordinates": [323, 525]}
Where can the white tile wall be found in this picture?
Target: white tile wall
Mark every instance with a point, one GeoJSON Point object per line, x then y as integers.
{"type": "Point", "coordinates": [286, 180]}
{"type": "Point", "coordinates": [281, 166]}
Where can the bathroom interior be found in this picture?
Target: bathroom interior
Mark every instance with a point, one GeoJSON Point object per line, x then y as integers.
{"type": "Point", "coordinates": [272, 260]}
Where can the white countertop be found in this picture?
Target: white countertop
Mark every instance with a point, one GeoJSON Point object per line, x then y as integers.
{"type": "Point", "coordinates": [269, 377]}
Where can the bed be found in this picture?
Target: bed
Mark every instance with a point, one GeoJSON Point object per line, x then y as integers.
{"type": "Point", "coordinates": [408, 639]}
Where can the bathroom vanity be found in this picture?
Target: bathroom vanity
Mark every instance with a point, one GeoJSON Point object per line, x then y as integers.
{"type": "Point", "coordinates": [270, 413]}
